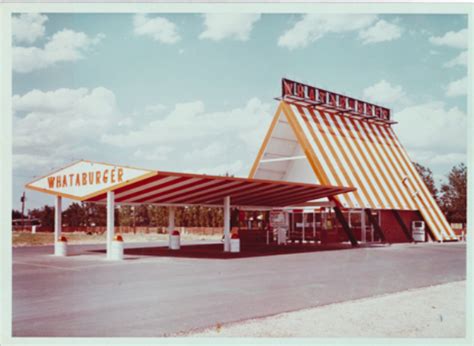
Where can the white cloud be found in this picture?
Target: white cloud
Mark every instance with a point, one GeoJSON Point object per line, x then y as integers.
{"type": "Point", "coordinates": [153, 154]}
{"type": "Point", "coordinates": [231, 168]}
{"type": "Point", "coordinates": [189, 122]}
{"type": "Point", "coordinates": [380, 32]}
{"type": "Point", "coordinates": [434, 135]}
{"type": "Point", "coordinates": [155, 109]}
{"type": "Point", "coordinates": [383, 92]}
{"type": "Point", "coordinates": [56, 125]}
{"type": "Point", "coordinates": [210, 151]}
{"type": "Point", "coordinates": [36, 163]}
{"type": "Point", "coordinates": [235, 26]}
{"type": "Point", "coordinates": [28, 27]}
{"type": "Point", "coordinates": [65, 45]}
{"type": "Point", "coordinates": [312, 27]}
{"type": "Point", "coordinates": [460, 60]}
{"type": "Point", "coordinates": [158, 28]}
{"type": "Point", "coordinates": [432, 127]}
{"type": "Point", "coordinates": [455, 39]}
{"type": "Point", "coordinates": [457, 88]}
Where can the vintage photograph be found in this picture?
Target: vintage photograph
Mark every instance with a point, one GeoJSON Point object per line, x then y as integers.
{"type": "Point", "coordinates": [247, 174]}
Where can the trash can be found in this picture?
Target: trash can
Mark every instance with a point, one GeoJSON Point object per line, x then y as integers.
{"type": "Point", "coordinates": [33, 229]}
{"type": "Point", "coordinates": [235, 243]}
{"type": "Point", "coordinates": [418, 231]}
{"type": "Point", "coordinates": [116, 252]}
{"type": "Point", "coordinates": [175, 241]}
{"type": "Point", "coordinates": [282, 239]}
{"type": "Point", "coordinates": [60, 247]}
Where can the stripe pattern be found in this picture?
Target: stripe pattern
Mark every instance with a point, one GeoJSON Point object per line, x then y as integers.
{"type": "Point", "coordinates": [198, 189]}
{"type": "Point", "coordinates": [352, 152]}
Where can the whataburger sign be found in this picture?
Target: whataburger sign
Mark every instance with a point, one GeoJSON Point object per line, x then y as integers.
{"type": "Point", "coordinates": [333, 100]}
{"type": "Point", "coordinates": [85, 179]}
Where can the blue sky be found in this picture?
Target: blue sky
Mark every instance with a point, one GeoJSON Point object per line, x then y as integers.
{"type": "Point", "coordinates": [193, 92]}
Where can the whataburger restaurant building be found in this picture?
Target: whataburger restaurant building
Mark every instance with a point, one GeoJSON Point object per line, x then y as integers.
{"type": "Point", "coordinates": [325, 157]}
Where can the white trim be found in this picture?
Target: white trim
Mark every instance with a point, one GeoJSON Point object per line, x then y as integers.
{"type": "Point", "coordinates": [285, 159]}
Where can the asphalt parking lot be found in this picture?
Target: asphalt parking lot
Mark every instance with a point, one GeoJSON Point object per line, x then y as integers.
{"type": "Point", "coordinates": [155, 292]}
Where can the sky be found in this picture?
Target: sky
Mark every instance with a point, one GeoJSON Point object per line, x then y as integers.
{"type": "Point", "coordinates": [195, 92]}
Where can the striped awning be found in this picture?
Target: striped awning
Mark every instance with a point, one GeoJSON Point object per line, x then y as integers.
{"type": "Point", "coordinates": [171, 188]}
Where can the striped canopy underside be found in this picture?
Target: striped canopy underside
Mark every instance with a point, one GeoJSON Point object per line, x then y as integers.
{"type": "Point", "coordinates": [168, 188]}
{"type": "Point", "coordinates": [345, 151]}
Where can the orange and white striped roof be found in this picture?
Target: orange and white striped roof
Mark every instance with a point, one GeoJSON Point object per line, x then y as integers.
{"type": "Point", "coordinates": [347, 151]}
{"type": "Point", "coordinates": [171, 188]}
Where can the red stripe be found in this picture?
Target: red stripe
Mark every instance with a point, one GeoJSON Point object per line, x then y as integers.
{"type": "Point", "coordinates": [159, 194]}
{"type": "Point", "coordinates": [262, 192]}
{"type": "Point", "coordinates": [293, 196]}
{"type": "Point", "coordinates": [242, 192]}
{"type": "Point", "coordinates": [274, 195]}
{"type": "Point", "coordinates": [181, 198]}
{"type": "Point", "coordinates": [139, 183]}
{"type": "Point", "coordinates": [150, 189]}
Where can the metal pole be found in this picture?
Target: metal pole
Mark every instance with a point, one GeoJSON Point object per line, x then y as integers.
{"type": "Point", "coordinates": [171, 225]}
{"type": "Point", "coordinates": [110, 221]}
{"type": "Point", "coordinates": [362, 227]}
{"type": "Point", "coordinates": [314, 227]}
{"type": "Point", "coordinates": [23, 198]}
{"type": "Point", "coordinates": [57, 218]}
{"type": "Point", "coordinates": [303, 219]}
{"type": "Point", "coordinates": [226, 224]}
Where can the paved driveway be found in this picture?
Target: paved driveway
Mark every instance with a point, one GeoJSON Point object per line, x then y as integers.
{"type": "Point", "coordinates": [154, 294]}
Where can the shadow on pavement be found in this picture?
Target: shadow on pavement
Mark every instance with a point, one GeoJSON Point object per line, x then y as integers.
{"type": "Point", "coordinates": [215, 251]}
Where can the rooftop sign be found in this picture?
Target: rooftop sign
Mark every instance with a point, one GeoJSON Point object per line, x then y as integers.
{"type": "Point", "coordinates": [316, 96]}
{"type": "Point", "coordinates": [85, 179]}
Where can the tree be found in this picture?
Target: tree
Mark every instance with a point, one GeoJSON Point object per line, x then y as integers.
{"type": "Point", "coordinates": [45, 215]}
{"type": "Point", "coordinates": [453, 200]}
{"type": "Point", "coordinates": [75, 215]}
{"type": "Point", "coordinates": [427, 176]}
{"type": "Point", "coordinates": [16, 214]}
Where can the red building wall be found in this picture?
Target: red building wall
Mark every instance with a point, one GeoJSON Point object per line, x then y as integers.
{"type": "Point", "coordinates": [392, 229]}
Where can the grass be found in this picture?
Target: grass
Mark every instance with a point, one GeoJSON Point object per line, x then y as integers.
{"type": "Point", "coordinates": [40, 238]}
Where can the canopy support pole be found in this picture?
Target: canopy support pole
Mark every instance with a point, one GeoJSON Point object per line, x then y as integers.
{"type": "Point", "coordinates": [171, 213]}
{"type": "Point", "coordinates": [402, 225]}
{"type": "Point", "coordinates": [227, 224]}
{"type": "Point", "coordinates": [110, 221]}
{"type": "Point", "coordinates": [345, 226]}
{"type": "Point", "coordinates": [375, 225]}
{"type": "Point", "coordinates": [363, 232]}
{"type": "Point", "coordinates": [57, 221]}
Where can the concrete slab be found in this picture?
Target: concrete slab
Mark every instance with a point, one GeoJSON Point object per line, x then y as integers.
{"type": "Point", "coordinates": [157, 293]}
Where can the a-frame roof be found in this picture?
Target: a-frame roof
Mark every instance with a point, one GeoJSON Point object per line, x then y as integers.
{"type": "Point", "coordinates": [342, 150]}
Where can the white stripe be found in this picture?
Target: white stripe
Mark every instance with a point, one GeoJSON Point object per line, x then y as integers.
{"type": "Point", "coordinates": [424, 195]}
{"type": "Point", "coordinates": [267, 194]}
{"type": "Point", "coordinates": [414, 176]}
{"type": "Point", "coordinates": [216, 195]}
{"type": "Point", "coordinates": [206, 191]}
{"type": "Point", "coordinates": [187, 189]}
{"type": "Point", "coordinates": [157, 191]}
{"type": "Point", "coordinates": [357, 169]}
{"type": "Point", "coordinates": [394, 165]}
{"type": "Point", "coordinates": [373, 144]}
{"type": "Point", "coordinates": [343, 197]}
{"type": "Point", "coordinates": [342, 160]}
{"type": "Point", "coordinates": [399, 152]}
{"type": "Point", "coordinates": [363, 161]}
{"type": "Point", "coordinates": [374, 160]}
{"type": "Point", "coordinates": [143, 187]}
{"type": "Point", "coordinates": [331, 158]}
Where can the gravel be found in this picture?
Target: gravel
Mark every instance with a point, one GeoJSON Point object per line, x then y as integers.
{"type": "Point", "coordinates": [435, 311]}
